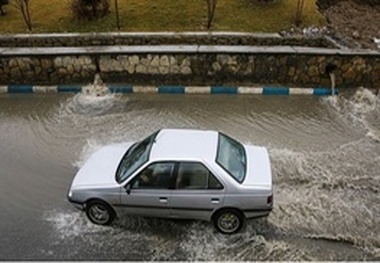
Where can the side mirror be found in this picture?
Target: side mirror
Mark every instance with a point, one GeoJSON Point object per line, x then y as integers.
{"type": "Point", "coordinates": [128, 188]}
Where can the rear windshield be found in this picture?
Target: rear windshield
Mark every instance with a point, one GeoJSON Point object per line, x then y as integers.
{"type": "Point", "coordinates": [134, 158]}
{"type": "Point", "coordinates": [231, 157]}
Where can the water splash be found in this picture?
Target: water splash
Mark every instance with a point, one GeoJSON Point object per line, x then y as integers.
{"type": "Point", "coordinates": [71, 225]}
{"type": "Point", "coordinates": [95, 99]}
{"type": "Point", "coordinates": [89, 105]}
{"type": "Point", "coordinates": [322, 195]}
{"type": "Point", "coordinates": [97, 88]}
{"type": "Point", "coordinates": [203, 243]}
{"type": "Point", "coordinates": [156, 239]}
{"type": "Point", "coordinates": [362, 109]}
{"type": "Point", "coordinates": [338, 215]}
{"type": "Point", "coordinates": [319, 195]}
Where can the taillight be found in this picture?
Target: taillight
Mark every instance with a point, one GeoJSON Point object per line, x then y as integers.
{"type": "Point", "coordinates": [270, 199]}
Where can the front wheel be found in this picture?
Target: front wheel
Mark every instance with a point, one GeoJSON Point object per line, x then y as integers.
{"type": "Point", "coordinates": [228, 221]}
{"type": "Point", "coordinates": [99, 212]}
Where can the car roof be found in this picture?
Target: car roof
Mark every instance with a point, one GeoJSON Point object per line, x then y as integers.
{"type": "Point", "coordinates": [185, 144]}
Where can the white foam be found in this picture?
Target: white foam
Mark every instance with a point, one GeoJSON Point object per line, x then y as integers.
{"type": "Point", "coordinates": [72, 224]}
{"type": "Point", "coordinates": [358, 110]}
{"type": "Point", "coordinates": [202, 243]}
{"type": "Point", "coordinates": [328, 213]}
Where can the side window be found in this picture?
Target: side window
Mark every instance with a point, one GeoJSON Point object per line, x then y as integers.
{"type": "Point", "coordinates": [192, 175]}
{"type": "Point", "coordinates": [155, 176]}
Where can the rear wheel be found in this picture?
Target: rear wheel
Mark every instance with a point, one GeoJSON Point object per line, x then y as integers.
{"type": "Point", "coordinates": [228, 221]}
{"type": "Point", "coordinates": [99, 212]}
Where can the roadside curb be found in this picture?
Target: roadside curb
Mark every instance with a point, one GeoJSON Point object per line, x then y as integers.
{"type": "Point", "coordinates": [263, 90]}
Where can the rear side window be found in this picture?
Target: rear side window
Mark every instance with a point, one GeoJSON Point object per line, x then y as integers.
{"type": "Point", "coordinates": [231, 157]}
{"type": "Point", "coordinates": [193, 175]}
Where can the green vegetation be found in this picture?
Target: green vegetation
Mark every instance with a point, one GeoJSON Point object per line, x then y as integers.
{"type": "Point", "coordinates": [164, 15]}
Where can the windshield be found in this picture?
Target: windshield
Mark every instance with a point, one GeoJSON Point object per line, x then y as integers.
{"type": "Point", "coordinates": [231, 156]}
{"type": "Point", "coordinates": [134, 158]}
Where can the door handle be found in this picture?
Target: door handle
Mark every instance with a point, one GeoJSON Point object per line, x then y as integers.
{"type": "Point", "coordinates": [163, 200]}
{"type": "Point", "coordinates": [214, 200]}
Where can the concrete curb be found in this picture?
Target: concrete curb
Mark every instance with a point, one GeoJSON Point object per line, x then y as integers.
{"type": "Point", "coordinates": [264, 90]}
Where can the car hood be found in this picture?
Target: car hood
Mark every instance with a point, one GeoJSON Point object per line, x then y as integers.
{"type": "Point", "coordinates": [100, 168]}
{"type": "Point", "coordinates": [259, 172]}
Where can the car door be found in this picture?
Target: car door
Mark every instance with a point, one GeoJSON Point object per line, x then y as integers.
{"type": "Point", "coordinates": [197, 192]}
{"type": "Point", "coordinates": [148, 193]}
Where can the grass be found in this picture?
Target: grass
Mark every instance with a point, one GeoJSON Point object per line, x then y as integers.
{"type": "Point", "coordinates": [164, 15]}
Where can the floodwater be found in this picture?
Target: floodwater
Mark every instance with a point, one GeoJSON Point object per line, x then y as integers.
{"type": "Point", "coordinates": [325, 154]}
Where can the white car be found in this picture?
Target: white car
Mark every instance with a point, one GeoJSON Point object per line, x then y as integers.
{"type": "Point", "coordinates": [177, 173]}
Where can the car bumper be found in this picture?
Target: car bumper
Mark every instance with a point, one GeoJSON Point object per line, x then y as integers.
{"type": "Point", "coordinates": [75, 203]}
{"type": "Point", "coordinates": [256, 213]}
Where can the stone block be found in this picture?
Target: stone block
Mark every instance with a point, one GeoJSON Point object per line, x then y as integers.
{"type": "Point", "coordinates": [359, 64]}
{"type": "Point", "coordinates": [58, 62]}
{"type": "Point", "coordinates": [62, 72]}
{"type": "Point", "coordinates": [223, 59]}
{"type": "Point", "coordinates": [345, 66]}
{"type": "Point", "coordinates": [70, 69]}
{"type": "Point", "coordinates": [186, 70]}
{"type": "Point", "coordinates": [66, 61]}
{"type": "Point", "coordinates": [186, 63]}
{"type": "Point", "coordinates": [304, 78]}
{"type": "Point", "coordinates": [216, 67]}
{"type": "Point", "coordinates": [155, 62]}
{"type": "Point", "coordinates": [321, 59]}
{"type": "Point", "coordinates": [134, 60]}
{"type": "Point", "coordinates": [13, 62]}
{"type": "Point", "coordinates": [46, 63]}
{"type": "Point", "coordinates": [173, 61]}
{"type": "Point", "coordinates": [104, 65]}
{"type": "Point", "coordinates": [232, 68]}
{"type": "Point", "coordinates": [38, 70]}
{"type": "Point", "coordinates": [145, 62]}
{"type": "Point", "coordinates": [24, 64]}
{"type": "Point", "coordinates": [350, 74]}
{"type": "Point", "coordinates": [164, 70]}
{"type": "Point", "coordinates": [124, 63]}
{"type": "Point", "coordinates": [175, 69]}
{"type": "Point", "coordinates": [77, 66]}
{"type": "Point", "coordinates": [153, 70]}
{"type": "Point", "coordinates": [130, 69]}
{"type": "Point", "coordinates": [15, 74]}
{"type": "Point", "coordinates": [141, 69]}
{"type": "Point", "coordinates": [116, 66]}
{"type": "Point", "coordinates": [164, 61]}
{"type": "Point", "coordinates": [313, 71]}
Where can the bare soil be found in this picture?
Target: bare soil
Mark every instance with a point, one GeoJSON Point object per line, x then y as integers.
{"type": "Point", "coordinates": [354, 24]}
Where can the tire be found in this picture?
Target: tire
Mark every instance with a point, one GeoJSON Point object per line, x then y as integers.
{"type": "Point", "coordinates": [228, 221]}
{"type": "Point", "coordinates": [99, 212]}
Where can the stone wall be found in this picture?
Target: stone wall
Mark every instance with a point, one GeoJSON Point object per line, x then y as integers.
{"type": "Point", "coordinates": [190, 65]}
{"type": "Point", "coordinates": [139, 39]}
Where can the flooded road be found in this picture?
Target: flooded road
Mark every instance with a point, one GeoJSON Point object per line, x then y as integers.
{"type": "Point", "coordinates": [325, 155]}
